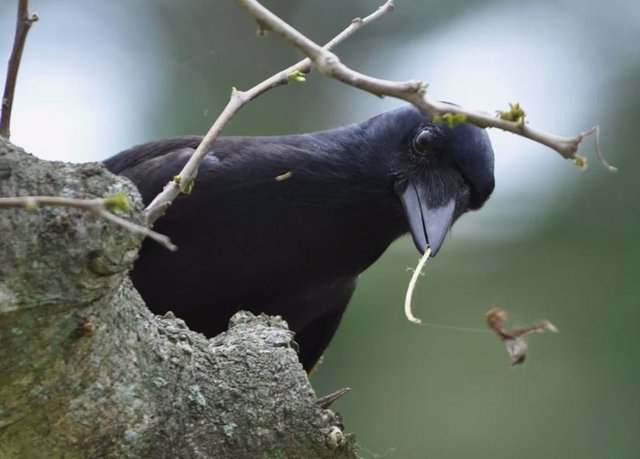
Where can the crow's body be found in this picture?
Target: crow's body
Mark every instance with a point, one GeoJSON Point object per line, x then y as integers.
{"type": "Point", "coordinates": [295, 245]}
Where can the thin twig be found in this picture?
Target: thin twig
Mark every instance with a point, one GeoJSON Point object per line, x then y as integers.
{"type": "Point", "coordinates": [23, 24]}
{"type": "Point", "coordinates": [412, 285]}
{"type": "Point", "coordinates": [412, 91]}
{"type": "Point", "coordinates": [184, 180]}
{"type": "Point", "coordinates": [96, 206]}
{"type": "Point", "coordinates": [596, 131]}
{"type": "Point", "coordinates": [328, 400]}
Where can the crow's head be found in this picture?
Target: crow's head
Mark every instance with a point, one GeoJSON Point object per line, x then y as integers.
{"type": "Point", "coordinates": [438, 172]}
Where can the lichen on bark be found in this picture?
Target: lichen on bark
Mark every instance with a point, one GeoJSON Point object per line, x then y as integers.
{"type": "Point", "coordinates": [87, 371]}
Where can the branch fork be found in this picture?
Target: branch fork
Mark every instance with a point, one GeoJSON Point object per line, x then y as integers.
{"type": "Point", "coordinates": [330, 65]}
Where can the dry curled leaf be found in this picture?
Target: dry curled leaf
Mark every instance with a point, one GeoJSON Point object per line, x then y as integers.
{"type": "Point", "coordinates": [514, 340]}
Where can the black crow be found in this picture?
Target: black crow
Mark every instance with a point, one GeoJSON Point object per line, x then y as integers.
{"type": "Point", "coordinates": [285, 224]}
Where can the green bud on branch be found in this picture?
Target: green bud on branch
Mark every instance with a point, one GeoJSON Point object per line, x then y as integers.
{"type": "Point", "coordinates": [117, 201]}
{"type": "Point", "coordinates": [297, 76]}
{"type": "Point", "coordinates": [31, 206]}
{"type": "Point", "coordinates": [450, 118]}
{"type": "Point", "coordinates": [580, 161]}
{"type": "Point", "coordinates": [515, 114]}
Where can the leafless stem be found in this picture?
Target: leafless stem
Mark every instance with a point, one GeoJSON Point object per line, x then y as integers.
{"type": "Point", "coordinates": [328, 400]}
{"type": "Point", "coordinates": [412, 91]}
{"type": "Point", "coordinates": [595, 130]}
{"type": "Point", "coordinates": [239, 99]}
{"type": "Point", "coordinates": [96, 206]}
{"type": "Point", "coordinates": [23, 24]}
{"type": "Point", "coordinates": [412, 285]}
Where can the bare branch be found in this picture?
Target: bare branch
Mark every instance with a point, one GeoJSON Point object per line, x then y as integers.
{"type": "Point", "coordinates": [412, 91]}
{"type": "Point", "coordinates": [326, 401]}
{"type": "Point", "coordinates": [99, 207]}
{"type": "Point", "coordinates": [23, 24]}
{"type": "Point", "coordinates": [184, 180]}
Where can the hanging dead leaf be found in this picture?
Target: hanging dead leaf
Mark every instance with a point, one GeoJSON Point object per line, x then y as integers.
{"type": "Point", "coordinates": [514, 340]}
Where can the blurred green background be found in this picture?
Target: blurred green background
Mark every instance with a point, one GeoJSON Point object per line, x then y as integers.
{"type": "Point", "coordinates": [553, 242]}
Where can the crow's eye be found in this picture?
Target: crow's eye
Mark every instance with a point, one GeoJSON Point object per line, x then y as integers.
{"type": "Point", "coordinates": [425, 140]}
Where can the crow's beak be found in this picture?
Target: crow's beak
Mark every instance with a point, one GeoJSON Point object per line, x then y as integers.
{"type": "Point", "coordinates": [428, 224]}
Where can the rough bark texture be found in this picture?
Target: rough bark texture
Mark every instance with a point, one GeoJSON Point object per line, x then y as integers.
{"type": "Point", "coordinates": [87, 371]}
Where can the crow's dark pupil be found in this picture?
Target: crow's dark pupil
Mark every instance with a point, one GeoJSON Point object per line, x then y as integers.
{"type": "Point", "coordinates": [423, 140]}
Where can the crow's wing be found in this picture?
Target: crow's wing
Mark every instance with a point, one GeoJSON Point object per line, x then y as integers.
{"type": "Point", "coordinates": [151, 166]}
